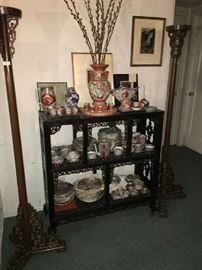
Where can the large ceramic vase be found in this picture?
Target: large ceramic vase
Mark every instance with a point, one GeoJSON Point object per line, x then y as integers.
{"type": "Point", "coordinates": [99, 89]}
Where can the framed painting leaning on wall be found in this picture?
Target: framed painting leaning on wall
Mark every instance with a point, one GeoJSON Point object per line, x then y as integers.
{"type": "Point", "coordinates": [147, 41]}
{"type": "Point", "coordinates": [59, 88]}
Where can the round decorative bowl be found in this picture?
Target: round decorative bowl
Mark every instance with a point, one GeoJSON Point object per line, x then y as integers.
{"type": "Point", "coordinates": [89, 189]}
{"type": "Point", "coordinates": [124, 96]}
{"type": "Point", "coordinates": [72, 156]}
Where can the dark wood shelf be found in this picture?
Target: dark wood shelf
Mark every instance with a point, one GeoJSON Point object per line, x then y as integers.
{"type": "Point", "coordinates": [70, 167]}
{"type": "Point", "coordinates": [146, 163]}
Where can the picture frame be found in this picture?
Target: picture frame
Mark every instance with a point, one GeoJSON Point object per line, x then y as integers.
{"type": "Point", "coordinates": [81, 62]}
{"type": "Point", "coordinates": [126, 84]}
{"type": "Point", "coordinates": [59, 88]}
{"type": "Point", "coordinates": [147, 41]}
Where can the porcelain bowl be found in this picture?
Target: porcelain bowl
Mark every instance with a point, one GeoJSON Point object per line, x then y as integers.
{"type": "Point", "coordinates": [89, 189]}
{"type": "Point", "coordinates": [124, 93]}
{"type": "Point", "coordinates": [72, 156]}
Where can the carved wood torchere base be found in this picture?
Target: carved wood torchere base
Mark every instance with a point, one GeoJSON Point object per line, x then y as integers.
{"type": "Point", "coordinates": [168, 190]}
{"type": "Point", "coordinates": [32, 240]}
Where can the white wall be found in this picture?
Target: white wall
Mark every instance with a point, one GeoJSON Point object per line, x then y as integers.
{"type": "Point", "coordinates": [46, 36]}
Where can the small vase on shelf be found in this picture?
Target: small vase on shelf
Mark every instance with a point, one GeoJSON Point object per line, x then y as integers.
{"type": "Point", "coordinates": [71, 97]}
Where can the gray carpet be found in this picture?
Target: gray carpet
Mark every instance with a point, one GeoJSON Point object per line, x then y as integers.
{"type": "Point", "coordinates": [132, 239]}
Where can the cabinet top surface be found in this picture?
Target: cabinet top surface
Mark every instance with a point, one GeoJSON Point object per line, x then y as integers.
{"type": "Point", "coordinates": [79, 117]}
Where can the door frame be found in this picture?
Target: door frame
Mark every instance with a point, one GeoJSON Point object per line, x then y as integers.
{"type": "Point", "coordinates": [190, 82]}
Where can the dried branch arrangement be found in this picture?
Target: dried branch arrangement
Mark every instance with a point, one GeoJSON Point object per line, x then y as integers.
{"type": "Point", "coordinates": [102, 18]}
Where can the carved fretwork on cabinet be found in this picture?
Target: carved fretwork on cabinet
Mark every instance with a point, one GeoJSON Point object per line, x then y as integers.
{"type": "Point", "coordinates": [146, 163]}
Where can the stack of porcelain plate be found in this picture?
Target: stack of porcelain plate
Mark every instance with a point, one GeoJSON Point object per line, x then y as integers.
{"type": "Point", "coordinates": [64, 193]}
{"type": "Point", "coordinates": [138, 147]}
{"type": "Point", "coordinates": [89, 189]}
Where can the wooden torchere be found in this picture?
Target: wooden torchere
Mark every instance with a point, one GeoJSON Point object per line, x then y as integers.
{"type": "Point", "coordinates": [168, 189]}
{"type": "Point", "coordinates": [28, 234]}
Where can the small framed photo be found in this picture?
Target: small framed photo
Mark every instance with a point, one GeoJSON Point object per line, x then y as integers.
{"type": "Point", "coordinates": [147, 41]}
{"type": "Point", "coordinates": [59, 88]}
{"type": "Point", "coordinates": [125, 80]}
{"type": "Point", "coordinates": [126, 84]}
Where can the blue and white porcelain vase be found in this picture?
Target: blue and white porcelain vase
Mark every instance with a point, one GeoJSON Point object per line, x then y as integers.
{"type": "Point", "coordinates": [71, 97]}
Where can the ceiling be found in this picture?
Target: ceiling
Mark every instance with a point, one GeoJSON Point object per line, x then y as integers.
{"type": "Point", "coordinates": [188, 3]}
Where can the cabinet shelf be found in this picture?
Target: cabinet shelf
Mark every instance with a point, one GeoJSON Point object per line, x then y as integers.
{"type": "Point", "coordinates": [81, 164]}
{"type": "Point", "coordinates": [145, 163]}
{"type": "Point", "coordinates": [100, 207]}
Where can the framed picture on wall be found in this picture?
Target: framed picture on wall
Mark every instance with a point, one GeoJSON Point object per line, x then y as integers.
{"type": "Point", "coordinates": [147, 41]}
{"type": "Point", "coordinates": [59, 88]}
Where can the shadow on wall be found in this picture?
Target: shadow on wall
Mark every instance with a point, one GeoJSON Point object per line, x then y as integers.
{"type": "Point", "coordinates": [53, 27]}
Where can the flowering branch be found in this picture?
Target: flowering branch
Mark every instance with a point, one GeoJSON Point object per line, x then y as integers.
{"type": "Point", "coordinates": [102, 25]}
{"type": "Point", "coordinates": [76, 16]}
{"type": "Point", "coordinates": [111, 24]}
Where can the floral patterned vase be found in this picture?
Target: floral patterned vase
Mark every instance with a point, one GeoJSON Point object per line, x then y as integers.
{"type": "Point", "coordinates": [71, 97]}
{"type": "Point", "coordinates": [99, 86]}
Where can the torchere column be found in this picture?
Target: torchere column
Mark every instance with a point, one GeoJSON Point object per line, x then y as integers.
{"type": "Point", "coordinates": [28, 234]}
{"type": "Point", "coordinates": [168, 189]}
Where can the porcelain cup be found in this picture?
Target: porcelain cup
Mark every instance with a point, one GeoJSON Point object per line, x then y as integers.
{"type": "Point", "coordinates": [105, 148]}
{"type": "Point", "coordinates": [118, 150]}
{"type": "Point", "coordinates": [91, 155]}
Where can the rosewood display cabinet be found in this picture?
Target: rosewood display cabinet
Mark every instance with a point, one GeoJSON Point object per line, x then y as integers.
{"type": "Point", "coordinates": [144, 163]}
